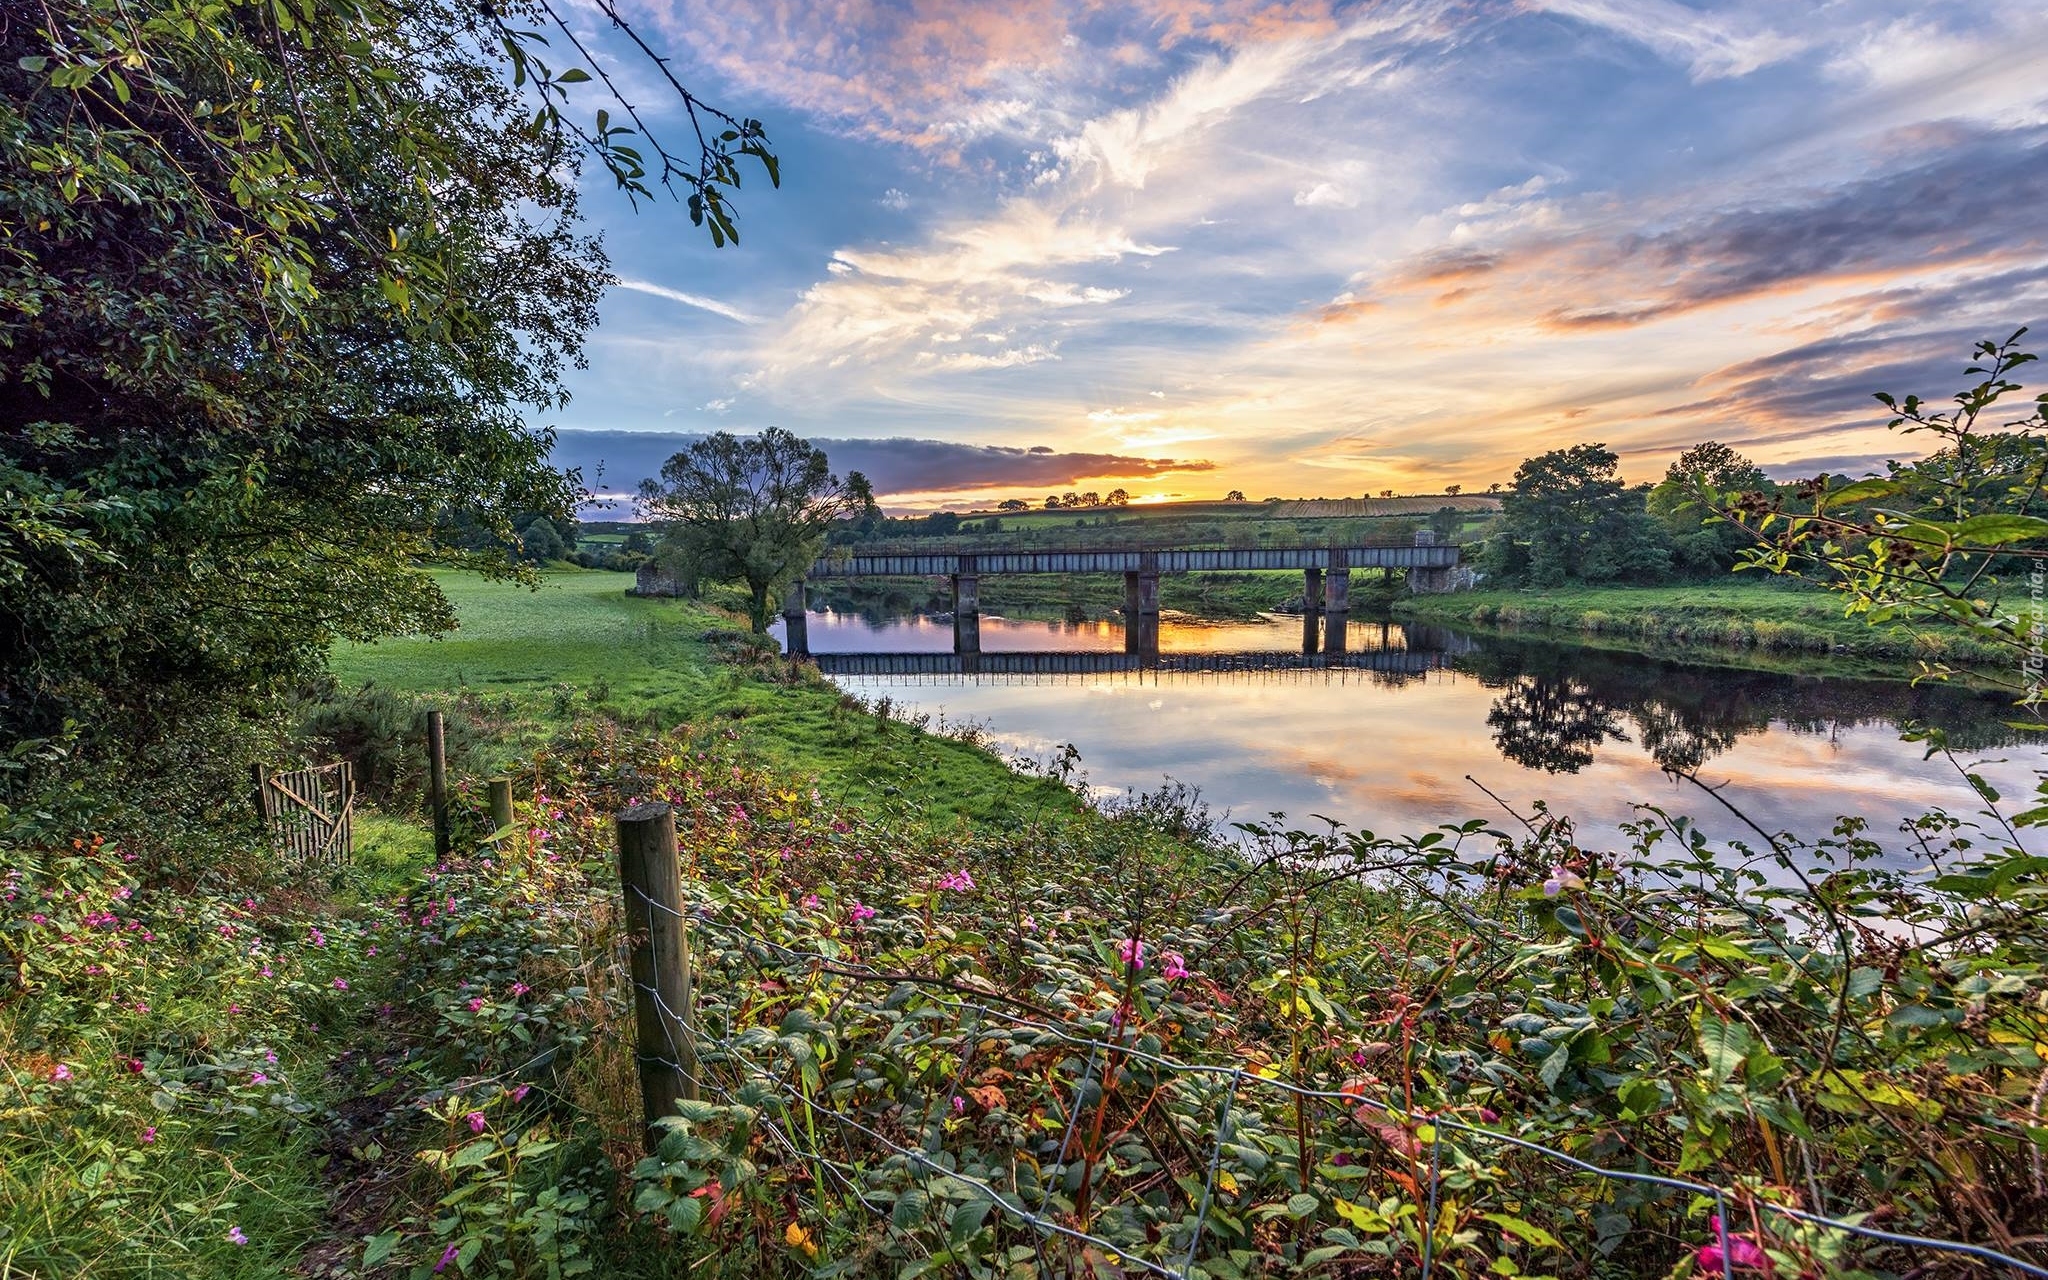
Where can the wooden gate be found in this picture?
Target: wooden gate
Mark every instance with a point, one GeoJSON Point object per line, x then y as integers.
{"type": "Point", "coordinates": [310, 812]}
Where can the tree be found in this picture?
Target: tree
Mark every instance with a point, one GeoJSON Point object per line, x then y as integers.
{"type": "Point", "coordinates": [1118, 498]}
{"type": "Point", "coordinates": [1568, 517]}
{"type": "Point", "coordinates": [1235, 495]}
{"type": "Point", "coordinates": [752, 509]}
{"type": "Point", "coordinates": [1013, 504]}
{"type": "Point", "coordinates": [1452, 490]}
{"type": "Point", "coordinates": [1494, 487]}
{"type": "Point", "coordinates": [284, 287]}
{"type": "Point", "coordinates": [1052, 502]}
{"type": "Point", "coordinates": [1701, 542]}
{"type": "Point", "coordinates": [1959, 537]}
{"type": "Point", "coordinates": [1070, 499]}
{"type": "Point", "coordinates": [540, 542]}
{"type": "Point", "coordinates": [1386, 493]}
{"type": "Point", "coordinates": [1445, 522]}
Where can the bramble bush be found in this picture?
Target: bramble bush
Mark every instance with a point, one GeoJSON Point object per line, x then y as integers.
{"type": "Point", "coordinates": [1809, 1024]}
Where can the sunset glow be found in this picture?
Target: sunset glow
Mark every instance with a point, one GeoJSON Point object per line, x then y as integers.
{"type": "Point", "coordinates": [1311, 248]}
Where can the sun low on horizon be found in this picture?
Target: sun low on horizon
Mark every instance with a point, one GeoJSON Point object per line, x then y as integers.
{"type": "Point", "coordinates": [1322, 249]}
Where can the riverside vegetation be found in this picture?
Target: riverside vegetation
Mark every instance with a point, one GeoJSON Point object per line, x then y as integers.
{"type": "Point", "coordinates": [452, 1077]}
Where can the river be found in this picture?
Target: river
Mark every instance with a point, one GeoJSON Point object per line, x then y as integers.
{"type": "Point", "coordinates": [1588, 731]}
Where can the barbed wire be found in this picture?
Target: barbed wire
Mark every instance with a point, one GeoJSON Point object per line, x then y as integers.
{"type": "Point", "coordinates": [1236, 1078]}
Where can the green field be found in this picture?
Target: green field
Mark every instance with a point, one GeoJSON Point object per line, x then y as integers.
{"type": "Point", "coordinates": [1740, 613]}
{"type": "Point", "coordinates": [580, 641]}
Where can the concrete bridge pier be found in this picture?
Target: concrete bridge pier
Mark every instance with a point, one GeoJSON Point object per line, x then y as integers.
{"type": "Point", "coordinates": [1336, 609]}
{"type": "Point", "coordinates": [967, 608]}
{"type": "Point", "coordinates": [796, 630]}
{"type": "Point", "coordinates": [1141, 636]}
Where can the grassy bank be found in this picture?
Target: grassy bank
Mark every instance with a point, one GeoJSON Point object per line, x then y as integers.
{"type": "Point", "coordinates": [1736, 614]}
{"type": "Point", "coordinates": [581, 645]}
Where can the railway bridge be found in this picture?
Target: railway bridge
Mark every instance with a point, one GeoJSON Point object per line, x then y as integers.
{"type": "Point", "coordinates": [1326, 580]}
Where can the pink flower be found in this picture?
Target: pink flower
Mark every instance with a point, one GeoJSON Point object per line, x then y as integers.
{"type": "Point", "coordinates": [1173, 965]}
{"type": "Point", "coordinates": [257, 1077]}
{"type": "Point", "coordinates": [739, 813]}
{"type": "Point", "coordinates": [1562, 879]}
{"type": "Point", "coordinates": [39, 918]}
{"type": "Point", "coordinates": [519, 1094]}
{"type": "Point", "coordinates": [958, 881]}
{"type": "Point", "coordinates": [235, 1234]}
{"type": "Point", "coordinates": [812, 902]}
{"type": "Point", "coordinates": [60, 1072]}
{"type": "Point", "coordinates": [134, 1066]}
{"type": "Point", "coordinates": [1131, 952]}
{"type": "Point", "coordinates": [447, 1257]}
{"type": "Point", "coordinates": [341, 984]}
{"type": "Point", "coordinates": [149, 1134]}
{"type": "Point", "coordinates": [1742, 1252]}
{"type": "Point", "coordinates": [858, 913]}
{"type": "Point", "coordinates": [1028, 923]}
{"type": "Point", "coordinates": [476, 1122]}
{"type": "Point", "coordinates": [476, 1004]}
{"type": "Point", "coordinates": [371, 952]}
{"type": "Point", "coordinates": [520, 989]}
{"type": "Point", "coordinates": [959, 1104]}
{"type": "Point", "coordinates": [234, 1010]}
{"type": "Point", "coordinates": [319, 938]}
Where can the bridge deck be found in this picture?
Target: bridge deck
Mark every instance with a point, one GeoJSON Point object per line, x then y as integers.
{"type": "Point", "coordinates": [1162, 560]}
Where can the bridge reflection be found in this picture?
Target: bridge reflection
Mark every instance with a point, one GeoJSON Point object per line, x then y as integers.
{"type": "Point", "coordinates": [1426, 649]}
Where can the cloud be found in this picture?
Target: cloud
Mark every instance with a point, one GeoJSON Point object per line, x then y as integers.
{"type": "Point", "coordinates": [894, 198]}
{"type": "Point", "coordinates": [1324, 195]}
{"type": "Point", "coordinates": [894, 466]}
{"type": "Point", "coordinates": [1711, 46]}
{"type": "Point", "coordinates": [1012, 358]}
{"type": "Point", "coordinates": [713, 305]}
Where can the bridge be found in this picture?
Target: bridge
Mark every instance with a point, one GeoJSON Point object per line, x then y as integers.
{"type": "Point", "coordinates": [1326, 579]}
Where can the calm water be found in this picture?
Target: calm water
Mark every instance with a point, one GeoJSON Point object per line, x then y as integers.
{"type": "Point", "coordinates": [1390, 750]}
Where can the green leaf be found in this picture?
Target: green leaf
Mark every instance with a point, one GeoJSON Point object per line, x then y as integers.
{"type": "Point", "coordinates": [1301, 1204]}
{"type": "Point", "coordinates": [474, 1154]}
{"type": "Point", "coordinates": [1997, 530]}
{"type": "Point", "coordinates": [378, 1247]}
{"type": "Point", "coordinates": [1526, 1231]}
{"type": "Point", "coordinates": [574, 75]}
{"type": "Point", "coordinates": [1725, 1045]}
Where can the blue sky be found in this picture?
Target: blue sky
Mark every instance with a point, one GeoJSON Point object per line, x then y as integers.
{"type": "Point", "coordinates": [1311, 248]}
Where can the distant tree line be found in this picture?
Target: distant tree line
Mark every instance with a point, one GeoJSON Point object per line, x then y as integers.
{"type": "Point", "coordinates": [1567, 517]}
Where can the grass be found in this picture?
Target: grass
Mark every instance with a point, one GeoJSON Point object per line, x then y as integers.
{"type": "Point", "coordinates": [581, 641]}
{"type": "Point", "coordinates": [1737, 613]}
{"type": "Point", "coordinates": [1204, 595]}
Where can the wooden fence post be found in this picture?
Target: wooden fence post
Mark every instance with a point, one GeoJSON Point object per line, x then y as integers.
{"type": "Point", "coordinates": [501, 803]}
{"type": "Point", "coordinates": [437, 783]}
{"type": "Point", "coordinates": [662, 981]}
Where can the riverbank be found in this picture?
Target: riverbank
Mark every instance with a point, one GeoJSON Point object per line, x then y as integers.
{"type": "Point", "coordinates": [580, 645]}
{"type": "Point", "coordinates": [1735, 615]}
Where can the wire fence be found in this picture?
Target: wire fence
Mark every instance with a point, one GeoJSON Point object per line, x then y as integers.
{"type": "Point", "coordinates": [736, 1052]}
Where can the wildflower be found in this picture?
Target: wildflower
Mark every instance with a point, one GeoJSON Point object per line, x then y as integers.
{"type": "Point", "coordinates": [270, 1055]}
{"type": "Point", "coordinates": [739, 813]}
{"type": "Point", "coordinates": [123, 892]}
{"type": "Point", "coordinates": [1173, 965]}
{"type": "Point", "coordinates": [1028, 923]}
{"type": "Point", "coordinates": [958, 881]}
{"type": "Point", "coordinates": [857, 912]}
{"type": "Point", "coordinates": [1742, 1252]}
{"type": "Point", "coordinates": [519, 1094]}
{"type": "Point", "coordinates": [60, 1072]}
{"type": "Point", "coordinates": [371, 952]}
{"type": "Point", "coordinates": [959, 1104]}
{"type": "Point", "coordinates": [149, 1134]}
{"type": "Point", "coordinates": [134, 1066]}
{"type": "Point", "coordinates": [266, 971]}
{"type": "Point", "coordinates": [476, 1004]}
{"type": "Point", "coordinates": [1561, 879]}
{"type": "Point", "coordinates": [235, 1234]}
{"type": "Point", "coordinates": [234, 1010]}
{"type": "Point", "coordinates": [39, 918]}
{"type": "Point", "coordinates": [341, 984]}
{"type": "Point", "coordinates": [319, 938]}
{"type": "Point", "coordinates": [447, 1256]}
{"type": "Point", "coordinates": [476, 1121]}
{"type": "Point", "coordinates": [1489, 1115]}
{"type": "Point", "coordinates": [1131, 952]}
{"type": "Point", "coordinates": [812, 902]}
{"type": "Point", "coordinates": [520, 989]}
{"type": "Point", "coordinates": [257, 1077]}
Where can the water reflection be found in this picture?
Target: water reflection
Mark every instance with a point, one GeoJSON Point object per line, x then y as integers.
{"type": "Point", "coordinates": [1385, 734]}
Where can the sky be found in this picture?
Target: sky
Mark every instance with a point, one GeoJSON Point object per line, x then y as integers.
{"type": "Point", "coordinates": [1315, 249]}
